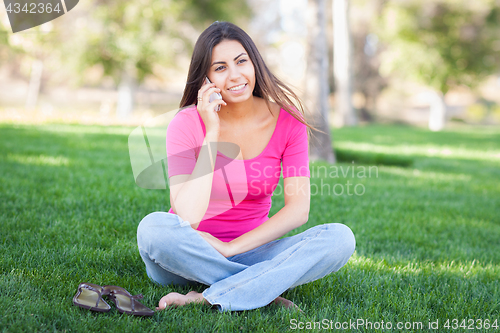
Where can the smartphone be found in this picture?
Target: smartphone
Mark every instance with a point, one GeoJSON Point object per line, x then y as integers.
{"type": "Point", "coordinates": [213, 96]}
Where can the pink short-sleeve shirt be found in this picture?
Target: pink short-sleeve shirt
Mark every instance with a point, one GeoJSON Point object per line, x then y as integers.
{"type": "Point", "coordinates": [240, 199]}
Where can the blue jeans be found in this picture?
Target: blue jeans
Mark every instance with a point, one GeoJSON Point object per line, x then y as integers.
{"type": "Point", "coordinates": [174, 253]}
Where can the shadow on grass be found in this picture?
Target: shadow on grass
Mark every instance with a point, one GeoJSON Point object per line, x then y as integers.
{"type": "Point", "coordinates": [472, 137]}
{"type": "Point", "coordinates": [361, 157]}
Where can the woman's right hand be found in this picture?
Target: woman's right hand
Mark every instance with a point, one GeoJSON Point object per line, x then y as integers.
{"type": "Point", "coordinates": [207, 110]}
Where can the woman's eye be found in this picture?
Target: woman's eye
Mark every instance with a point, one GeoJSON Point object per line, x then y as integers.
{"type": "Point", "coordinates": [242, 60]}
{"type": "Point", "coordinates": [219, 68]}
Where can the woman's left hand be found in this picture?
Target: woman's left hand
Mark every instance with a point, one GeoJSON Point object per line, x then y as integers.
{"type": "Point", "coordinates": [222, 247]}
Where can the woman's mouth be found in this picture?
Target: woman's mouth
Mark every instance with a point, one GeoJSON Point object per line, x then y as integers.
{"type": "Point", "coordinates": [238, 88]}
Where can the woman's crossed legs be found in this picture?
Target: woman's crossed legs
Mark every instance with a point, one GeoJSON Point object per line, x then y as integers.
{"type": "Point", "coordinates": [175, 253]}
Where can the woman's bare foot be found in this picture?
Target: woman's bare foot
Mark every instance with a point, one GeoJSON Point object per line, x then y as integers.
{"type": "Point", "coordinates": [176, 299]}
{"type": "Point", "coordinates": [286, 303]}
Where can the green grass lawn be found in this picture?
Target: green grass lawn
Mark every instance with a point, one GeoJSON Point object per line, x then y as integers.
{"type": "Point", "coordinates": [427, 229]}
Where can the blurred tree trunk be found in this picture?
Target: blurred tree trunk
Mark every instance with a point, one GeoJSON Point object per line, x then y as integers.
{"type": "Point", "coordinates": [317, 88]}
{"type": "Point", "coordinates": [34, 85]}
{"type": "Point", "coordinates": [437, 112]}
{"type": "Point", "coordinates": [126, 93]}
{"type": "Point", "coordinates": [344, 112]}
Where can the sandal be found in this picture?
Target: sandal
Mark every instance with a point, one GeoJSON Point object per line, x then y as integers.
{"type": "Point", "coordinates": [126, 303]}
{"type": "Point", "coordinates": [89, 296]}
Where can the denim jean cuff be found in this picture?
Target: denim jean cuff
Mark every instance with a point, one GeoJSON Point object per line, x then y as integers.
{"type": "Point", "coordinates": [217, 306]}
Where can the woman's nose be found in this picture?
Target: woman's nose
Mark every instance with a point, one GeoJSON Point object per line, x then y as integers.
{"type": "Point", "coordinates": [234, 73]}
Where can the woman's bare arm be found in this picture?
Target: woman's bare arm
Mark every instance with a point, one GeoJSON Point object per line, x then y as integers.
{"type": "Point", "coordinates": [294, 214]}
{"type": "Point", "coordinates": [190, 194]}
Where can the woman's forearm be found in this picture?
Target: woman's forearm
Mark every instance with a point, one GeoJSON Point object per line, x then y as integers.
{"type": "Point", "coordinates": [287, 219]}
{"type": "Point", "coordinates": [192, 200]}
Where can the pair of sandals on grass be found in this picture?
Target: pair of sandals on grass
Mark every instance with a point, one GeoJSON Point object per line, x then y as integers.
{"type": "Point", "coordinates": [89, 296]}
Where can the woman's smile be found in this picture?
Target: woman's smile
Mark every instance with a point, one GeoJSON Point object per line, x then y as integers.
{"type": "Point", "coordinates": [238, 89]}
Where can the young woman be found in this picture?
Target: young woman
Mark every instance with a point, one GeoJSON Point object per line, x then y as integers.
{"type": "Point", "coordinates": [218, 232]}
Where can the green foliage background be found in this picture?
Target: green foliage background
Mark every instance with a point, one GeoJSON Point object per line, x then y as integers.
{"type": "Point", "coordinates": [443, 43]}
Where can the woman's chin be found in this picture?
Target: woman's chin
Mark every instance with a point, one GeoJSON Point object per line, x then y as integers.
{"type": "Point", "coordinates": [238, 99]}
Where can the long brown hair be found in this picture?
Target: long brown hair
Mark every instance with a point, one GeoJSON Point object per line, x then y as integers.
{"type": "Point", "coordinates": [267, 86]}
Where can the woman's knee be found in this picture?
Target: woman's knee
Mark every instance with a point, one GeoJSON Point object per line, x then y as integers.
{"type": "Point", "coordinates": [155, 224]}
{"type": "Point", "coordinates": [342, 237]}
